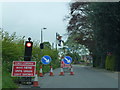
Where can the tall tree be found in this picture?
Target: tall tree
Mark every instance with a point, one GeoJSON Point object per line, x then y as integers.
{"type": "Point", "coordinates": [96, 26]}
{"type": "Point", "coordinates": [104, 20]}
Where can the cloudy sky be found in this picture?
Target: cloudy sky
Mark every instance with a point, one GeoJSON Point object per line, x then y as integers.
{"type": "Point", "coordinates": [28, 18]}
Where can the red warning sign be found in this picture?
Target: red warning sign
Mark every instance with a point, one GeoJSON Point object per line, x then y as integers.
{"type": "Point", "coordinates": [24, 68]}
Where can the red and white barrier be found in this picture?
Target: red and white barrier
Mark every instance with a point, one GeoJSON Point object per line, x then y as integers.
{"type": "Point", "coordinates": [62, 72]}
{"type": "Point", "coordinates": [41, 73]}
{"type": "Point", "coordinates": [71, 71]}
{"type": "Point", "coordinates": [35, 82]}
{"type": "Point", "coordinates": [51, 71]}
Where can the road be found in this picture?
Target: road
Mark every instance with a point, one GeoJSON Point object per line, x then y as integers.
{"type": "Point", "coordinates": [84, 77]}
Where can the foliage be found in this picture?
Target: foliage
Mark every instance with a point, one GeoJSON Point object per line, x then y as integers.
{"type": "Point", "coordinates": [95, 25]}
{"type": "Point", "coordinates": [7, 80]}
{"type": "Point", "coordinates": [79, 28]}
{"type": "Point", "coordinates": [110, 63]}
{"type": "Point", "coordinates": [13, 50]}
{"type": "Point", "coordinates": [104, 19]}
{"type": "Point", "coordinates": [47, 45]}
{"type": "Point", "coordinates": [74, 49]}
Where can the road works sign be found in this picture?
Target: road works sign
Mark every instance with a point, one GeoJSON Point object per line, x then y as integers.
{"type": "Point", "coordinates": [46, 59]}
{"type": "Point", "coordinates": [67, 60]}
{"type": "Point", "coordinates": [24, 68]}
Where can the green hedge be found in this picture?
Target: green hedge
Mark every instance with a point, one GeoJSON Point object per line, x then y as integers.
{"type": "Point", "coordinates": [13, 50]}
{"type": "Point", "coordinates": [7, 81]}
{"type": "Point", "coordinates": [46, 68]}
{"type": "Point", "coordinates": [110, 63]}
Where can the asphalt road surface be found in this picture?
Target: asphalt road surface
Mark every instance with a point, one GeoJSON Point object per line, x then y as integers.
{"type": "Point", "coordinates": [84, 77]}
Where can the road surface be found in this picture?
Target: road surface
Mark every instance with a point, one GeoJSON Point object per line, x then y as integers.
{"type": "Point", "coordinates": [84, 77]}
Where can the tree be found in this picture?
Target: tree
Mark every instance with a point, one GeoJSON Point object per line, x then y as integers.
{"type": "Point", "coordinates": [47, 45]}
{"type": "Point", "coordinates": [74, 50]}
{"type": "Point", "coordinates": [95, 25]}
{"type": "Point", "coordinates": [79, 27]}
{"type": "Point", "coordinates": [104, 20]}
{"type": "Point", "coordinates": [13, 50]}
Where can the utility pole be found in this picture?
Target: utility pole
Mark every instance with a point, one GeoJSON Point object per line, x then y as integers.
{"type": "Point", "coordinates": [41, 44]}
{"type": "Point", "coordinates": [56, 41]}
{"type": "Point", "coordinates": [52, 45]}
{"type": "Point", "coordinates": [41, 36]}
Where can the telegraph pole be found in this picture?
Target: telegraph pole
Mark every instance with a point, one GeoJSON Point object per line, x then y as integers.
{"type": "Point", "coordinates": [52, 45]}
{"type": "Point", "coordinates": [56, 41]}
{"type": "Point", "coordinates": [41, 36]}
{"type": "Point", "coordinates": [42, 44]}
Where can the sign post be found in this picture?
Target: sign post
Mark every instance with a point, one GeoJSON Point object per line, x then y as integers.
{"type": "Point", "coordinates": [25, 69]}
{"type": "Point", "coordinates": [46, 59]}
{"type": "Point", "coordinates": [67, 60]}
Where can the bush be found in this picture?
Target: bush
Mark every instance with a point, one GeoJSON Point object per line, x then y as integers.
{"type": "Point", "coordinates": [82, 61]}
{"type": "Point", "coordinates": [110, 63]}
{"type": "Point", "coordinates": [13, 50]}
{"type": "Point", "coordinates": [7, 81]}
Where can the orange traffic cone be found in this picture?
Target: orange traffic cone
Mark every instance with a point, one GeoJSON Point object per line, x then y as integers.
{"type": "Point", "coordinates": [71, 71]}
{"type": "Point", "coordinates": [41, 74]}
{"type": "Point", "coordinates": [62, 72]}
{"type": "Point", "coordinates": [51, 71]}
{"type": "Point", "coordinates": [35, 82]}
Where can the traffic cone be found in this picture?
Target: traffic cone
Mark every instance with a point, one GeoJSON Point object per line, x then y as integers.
{"type": "Point", "coordinates": [41, 74]}
{"type": "Point", "coordinates": [35, 82]}
{"type": "Point", "coordinates": [51, 71]}
{"type": "Point", "coordinates": [62, 72]}
{"type": "Point", "coordinates": [71, 71]}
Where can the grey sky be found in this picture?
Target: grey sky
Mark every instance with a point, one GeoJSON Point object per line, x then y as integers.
{"type": "Point", "coordinates": [27, 19]}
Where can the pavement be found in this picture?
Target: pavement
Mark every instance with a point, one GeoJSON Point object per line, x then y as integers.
{"type": "Point", "coordinates": [84, 77]}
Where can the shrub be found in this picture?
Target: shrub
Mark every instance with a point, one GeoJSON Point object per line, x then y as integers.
{"type": "Point", "coordinates": [7, 81]}
{"type": "Point", "coordinates": [110, 63]}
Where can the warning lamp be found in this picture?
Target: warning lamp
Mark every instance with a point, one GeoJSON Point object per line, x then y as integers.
{"type": "Point", "coordinates": [28, 44]}
{"type": "Point", "coordinates": [28, 50]}
{"type": "Point", "coordinates": [41, 45]}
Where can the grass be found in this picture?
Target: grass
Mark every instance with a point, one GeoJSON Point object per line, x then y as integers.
{"type": "Point", "coordinates": [0, 77]}
{"type": "Point", "coordinates": [7, 81]}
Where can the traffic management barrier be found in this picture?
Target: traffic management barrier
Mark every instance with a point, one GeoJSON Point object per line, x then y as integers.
{"type": "Point", "coordinates": [35, 82]}
{"type": "Point", "coordinates": [71, 71]}
{"type": "Point", "coordinates": [62, 72]}
{"type": "Point", "coordinates": [41, 73]}
{"type": "Point", "coordinates": [51, 71]}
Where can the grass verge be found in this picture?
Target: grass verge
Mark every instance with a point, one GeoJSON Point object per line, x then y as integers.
{"type": "Point", "coordinates": [7, 81]}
